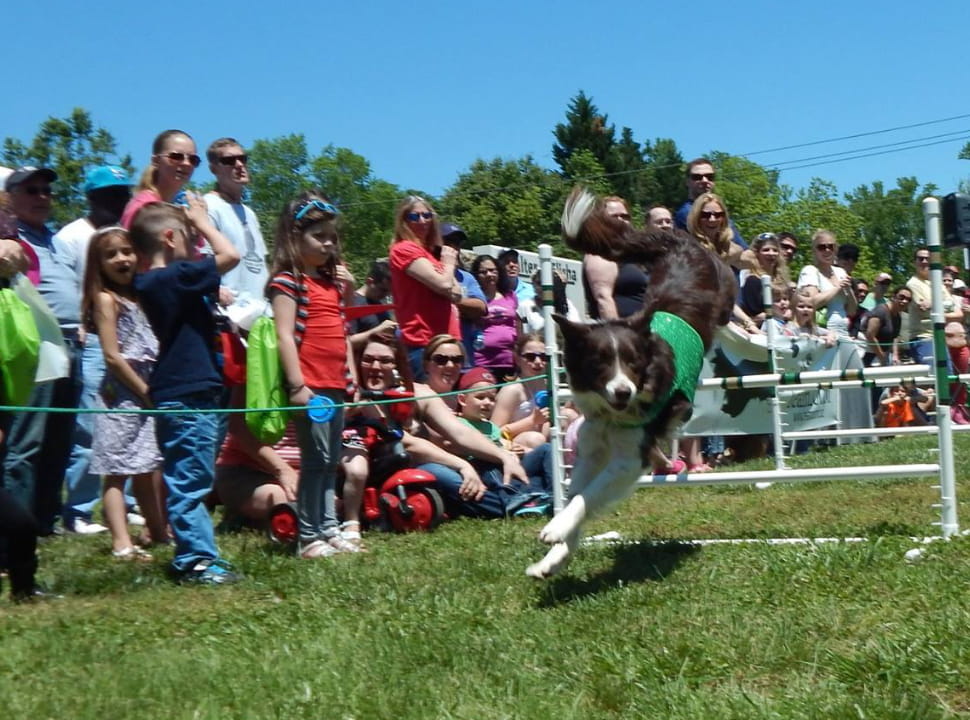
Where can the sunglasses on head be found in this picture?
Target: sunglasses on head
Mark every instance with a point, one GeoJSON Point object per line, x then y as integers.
{"type": "Point", "coordinates": [180, 157]}
{"type": "Point", "coordinates": [712, 214]}
{"type": "Point", "coordinates": [533, 356]}
{"type": "Point", "coordinates": [442, 360]}
{"type": "Point", "coordinates": [324, 207]}
{"type": "Point", "coordinates": [37, 190]}
{"type": "Point", "coordinates": [767, 236]}
{"type": "Point", "coordinates": [231, 160]}
{"type": "Point", "coordinates": [415, 216]}
{"type": "Point", "coordinates": [825, 247]}
{"type": "Point", "coordinates": [702, 176]}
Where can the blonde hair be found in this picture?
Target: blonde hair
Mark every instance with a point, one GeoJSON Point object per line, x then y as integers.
{"type": "Point", "coordinates": [721, 245]}
{"type": "Point", "coordinates": [780, 275]}
{"type": "Point", "coordinates": [402, 230]}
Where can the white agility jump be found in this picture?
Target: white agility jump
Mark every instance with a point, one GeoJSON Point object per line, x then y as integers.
{"type": "Point", "coordinates": [781, 383]}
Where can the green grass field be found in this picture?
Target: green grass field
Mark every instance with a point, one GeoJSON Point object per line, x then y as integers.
{"type": "Point", "coordinates": [446, 625]}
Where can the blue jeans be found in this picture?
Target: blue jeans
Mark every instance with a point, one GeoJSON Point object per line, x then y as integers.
{"type": "Point", "coordinates": [537, 464]}
{"type": "Point", "coordinates": [921, 351]}
{"type": "Point", "coordinates": [320, 445]}
{"type": "Point", "coordinates": [188, 443]}
{"type": "Point", "coordinates": [416, 361]}
{"type": "Point", "coordinates": [39, 444]}
{"type": "Point", "coordinates": [83, 487]}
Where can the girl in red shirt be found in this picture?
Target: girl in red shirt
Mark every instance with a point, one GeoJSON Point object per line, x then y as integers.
{"type": "Point", "coordinates": [306, 290]}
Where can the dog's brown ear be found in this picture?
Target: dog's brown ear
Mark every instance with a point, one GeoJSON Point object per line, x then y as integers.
{"type": "Point", "coordinates": [572, 332]}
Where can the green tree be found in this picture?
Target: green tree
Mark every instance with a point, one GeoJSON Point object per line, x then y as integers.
{"type": "Point", "coordinates": [514, 203]}
{"type": "Point", "coordinates": [585, 129]}
{"type": "Point", "coordinates": [750, 190]}
{"type": "Point", "coordinates": [629, 178]}
{"type": "Point", "coordinates": [69, 146]}
{"type": "Point", "coordinates": [892, 221]}
{"type": "Point", "coordinates": [280, 168]}
{"type": "Point", "coordinates": [663, 180]}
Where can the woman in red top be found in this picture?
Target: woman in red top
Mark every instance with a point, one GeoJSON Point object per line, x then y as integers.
{"type": "Point", "coordinates": [423, 279]}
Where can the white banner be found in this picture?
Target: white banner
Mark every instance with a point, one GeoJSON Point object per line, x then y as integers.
{"type": "Point", "coordinates": [748, 410]}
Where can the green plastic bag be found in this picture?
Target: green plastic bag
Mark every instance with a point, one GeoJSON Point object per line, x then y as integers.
{"type": "Point", "coordinates": [264, 382]}
{"type": "Point", "coordinates": [19, 349]}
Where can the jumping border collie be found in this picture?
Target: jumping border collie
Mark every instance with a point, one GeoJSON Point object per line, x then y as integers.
{"type": "Point", "coordinates": [633, 379]}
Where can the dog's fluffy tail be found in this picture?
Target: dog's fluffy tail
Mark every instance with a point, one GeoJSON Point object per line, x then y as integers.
{"type": "Point", "coordinates": [588, 229]}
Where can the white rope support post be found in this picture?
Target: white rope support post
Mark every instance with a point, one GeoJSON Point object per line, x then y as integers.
{"type": "Point", "coordinates": [948, 501]}
{"type": "Point", "coordinates": [774, 402]}
{"type": "Point", "coordinates": [552, 370]}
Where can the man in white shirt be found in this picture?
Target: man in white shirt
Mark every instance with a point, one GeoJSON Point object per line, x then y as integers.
{"type": "Point", "coordinates": [242, 291]}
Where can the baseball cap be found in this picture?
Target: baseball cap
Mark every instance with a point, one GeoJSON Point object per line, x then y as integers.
{"type": "Point", "coordinates": [958, 284]}
{"type": "Point", "coordinates": [884, 278]}
{"type": "Point", "coordinates": [104, 176]}
{"type": "Point", "coordinates": [452, 232]}
{"type": "Point", "coordinates": [474, 376]}
{"type": "Point", "coordinates": [22, 174]}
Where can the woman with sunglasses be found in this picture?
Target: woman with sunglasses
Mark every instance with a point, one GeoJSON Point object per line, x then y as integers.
{"type": "Point", "coordinates": [832, 284]}
{"type": "Point", "coordinates": [423, 279]}
{"type": "Point", "coordinates": [709, 223]}
{"type": "Point", "coordinates": [882, 330]}
{"type": "Point", "coordinates": [522, 420]}
{"type": "Point", "coordinates": [768, 260]}
{"type": "Point", "coordinates": [442, 362]}
{"type": "Point", "coordinates": [500, 325]}
{"type": "Point", "coordinates": [174, 159]}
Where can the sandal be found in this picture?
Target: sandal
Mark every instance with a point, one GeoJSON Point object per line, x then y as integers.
{"type": "Point", "coordinates": [132, 553]}
{"type": "Point", "coordinates": [317, 549]}
{"type": "Point", "coordinates": [675, 468]}
{"type": "Point", "coordinates": [339, 544]}
{"type": "Point", "coordinates": [352, 536]}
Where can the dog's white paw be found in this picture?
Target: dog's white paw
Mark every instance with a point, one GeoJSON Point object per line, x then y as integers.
{"type": "Point", "coordinates": [557, 530]}
{"type": "Point", "coordinates": [555, 560]}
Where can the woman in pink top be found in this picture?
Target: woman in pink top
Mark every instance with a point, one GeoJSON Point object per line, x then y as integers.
{"type": "Point", "coordinates": [501, 325]}
{"type": "Point", "coordinates": [423, 279]}
{"type": "Point", "coordinates": [174, 159]}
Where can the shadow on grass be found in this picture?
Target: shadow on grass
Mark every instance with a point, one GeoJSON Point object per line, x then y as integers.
{"type": "Point", "coordinates": [632, 563]}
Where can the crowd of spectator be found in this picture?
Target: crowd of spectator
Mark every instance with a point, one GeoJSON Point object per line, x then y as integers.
{"type": "Point", "coordinates": [145, 287]}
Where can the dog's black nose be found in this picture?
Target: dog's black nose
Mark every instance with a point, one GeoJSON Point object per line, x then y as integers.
{"type": "Point", "coordinates": [622, 395]}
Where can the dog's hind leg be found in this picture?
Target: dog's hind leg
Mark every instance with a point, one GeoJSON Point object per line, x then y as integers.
{"type": "Point", "coordinates": [556, 558]}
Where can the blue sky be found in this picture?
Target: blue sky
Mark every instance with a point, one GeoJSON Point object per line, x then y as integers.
{"type": "Point", "coordinates": [421, 91]}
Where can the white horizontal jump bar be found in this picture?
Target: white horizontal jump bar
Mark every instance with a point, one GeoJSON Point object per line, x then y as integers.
{"type": "Point", "coordinates": [799, 475]}
{"type": "Point", "coordinates": [810, 376]}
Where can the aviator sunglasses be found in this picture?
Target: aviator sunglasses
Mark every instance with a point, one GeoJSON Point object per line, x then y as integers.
{"type": "Point", "coordinates": [180, 157]}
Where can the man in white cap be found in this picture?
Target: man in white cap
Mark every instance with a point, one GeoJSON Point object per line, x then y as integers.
{"type": "Point", "coordinates": [877, 296]}
{"type": "Point", "coordinates": [108, 190]}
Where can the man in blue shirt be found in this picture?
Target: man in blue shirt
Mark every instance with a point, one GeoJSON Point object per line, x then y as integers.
{"type": "Point", "coordinates": [472, 305]}
{"type": "Point", "coordinates": [700, 180]}
{"type": "Point", "coordinates": [39, 444]}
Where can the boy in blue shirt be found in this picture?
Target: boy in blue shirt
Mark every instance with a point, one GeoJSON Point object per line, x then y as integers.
{"type": "Point", "coordinates": [174, 290]}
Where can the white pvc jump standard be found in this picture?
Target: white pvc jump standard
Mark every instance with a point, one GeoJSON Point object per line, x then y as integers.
{"type": "Point", "coordinates": [944, 469]}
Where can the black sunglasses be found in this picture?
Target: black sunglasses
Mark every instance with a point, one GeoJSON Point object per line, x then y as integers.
{"type": "Point", "coordinates": [415, 216]}
{"type": "Point", "coordinates": [231, 160]}
{"type": "Point", "coordinates": [442, 360]}
{"type": "Point", "coordinates": [179, 157]}
{"type": "Point", "coordinates": [532, 357]}
{"type": "Point", "coordinates": [702, 176]}
{"type": "Point", "coordinates": [711, 214]}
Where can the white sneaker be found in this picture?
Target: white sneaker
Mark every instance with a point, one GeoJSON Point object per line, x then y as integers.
{"type": "Point", "coordinates": [136, 519]}
{"type": "Point", "coordinates": [84, 527]}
